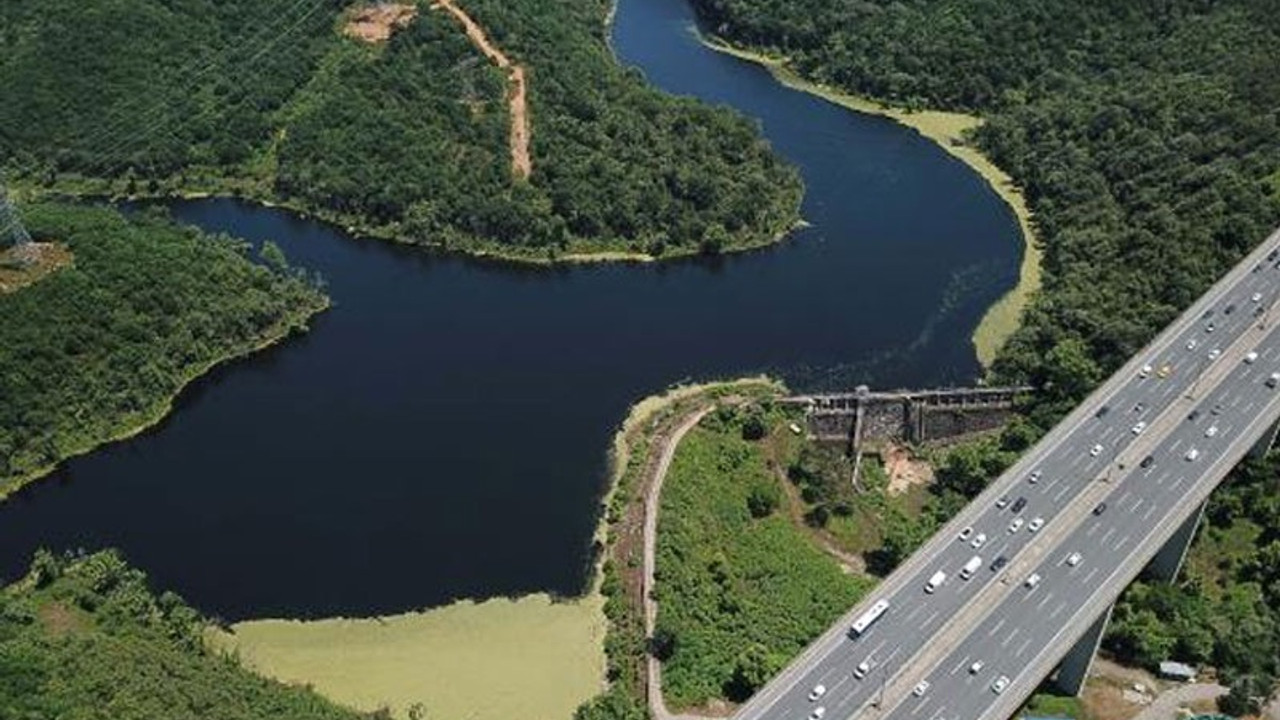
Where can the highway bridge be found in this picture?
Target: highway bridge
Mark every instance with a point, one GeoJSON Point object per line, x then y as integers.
{"type": "Point", "coordinates": [1117, 486]}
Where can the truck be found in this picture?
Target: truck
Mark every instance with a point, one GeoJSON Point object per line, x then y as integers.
{"type": "Point", "coordinates": [970, 567]}
{"type": "Point", "coordinates": [935, 582]}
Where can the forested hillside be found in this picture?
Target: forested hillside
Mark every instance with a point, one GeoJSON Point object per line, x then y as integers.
{"type": "Point", "coordinates": [86, 638]}
{"type": "Point", "coordinates": [409, 138]}
{"type": "Point", "coordinates": [98, 349]}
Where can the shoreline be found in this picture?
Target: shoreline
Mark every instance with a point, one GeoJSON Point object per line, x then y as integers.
{"type": "Point", "coordinates": [295, 322]}
{"type": "Point", "coordinates": [946, 129]}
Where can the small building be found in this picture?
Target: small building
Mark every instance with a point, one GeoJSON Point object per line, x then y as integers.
{"type": "Point", "coordinates": [1177, 671]}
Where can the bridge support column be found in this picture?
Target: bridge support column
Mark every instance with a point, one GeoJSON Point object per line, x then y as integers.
{"type": "Point", "coordinates": [1168, 561]}
{"type": "Point", "coordinates": [1266, 442]}
{"type": "Point", "coordinates": [1074, 669]}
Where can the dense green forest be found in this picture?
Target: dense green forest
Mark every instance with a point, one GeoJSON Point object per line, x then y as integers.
{"type": "Point", "coordinates": [84, 637]}
{"type": "Point", "coordinates": [100, 348]}
{"type": "Point", "coordinates": [409, 139]}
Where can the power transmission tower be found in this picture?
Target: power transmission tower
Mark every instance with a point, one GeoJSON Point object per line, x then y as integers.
{"type": "Point", "coordinates": [12, 232]}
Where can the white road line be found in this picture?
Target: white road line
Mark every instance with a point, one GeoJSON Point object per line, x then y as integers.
{"type": "Point", "coordinates": [1040, 605]}
{"type": "Point", "coordinates": [916, 611]}
{"type": "Point", "coordinates": [1107, 535]}
{"type": "Point", "coordinates": [1122, 542]}
{"type": "Point", "coordinates": [1012, 635]}
{"type": "Point", "coordinates": [956, 669]}
{"type": "Point", "coordinates": [996, 629]}
{"type": "Point", "coordinates": [920, 705]}
{"type": "Point", "coordinates": [1092, 529]}
{"type": "Point", "coordinates": [1124, 497]}
{"type": "Point", "coordinates": [1065, 489]}
{"type": "Point", "coordinates": [1089, 577]}
{"type": "Point", "coordinates": [1062, 605]}
{"type": "Point", "coordinates": [1023, 647]}
{"type": "Point", "coordinates": [1147, 514]}
{"type": "Point", "coordinates": [1136, 506]}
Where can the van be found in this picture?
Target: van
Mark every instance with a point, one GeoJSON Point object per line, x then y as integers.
{"type": "Point", "coordinates": [970, 567]}
{"type": "Point", "coordinates": [935, 582]}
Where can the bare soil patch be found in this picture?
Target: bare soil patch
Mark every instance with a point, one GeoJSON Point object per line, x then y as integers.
{"type": "Point", "coordinates": [375, 23]}
{"type": "Point", "coordinates": [30, 263]}
{"type": "Point", "coordinates": [60, 620]}
{"type": "Point", "coordinates": [517, 96]}
{"type": "Point", "coordinates": [905, 471]}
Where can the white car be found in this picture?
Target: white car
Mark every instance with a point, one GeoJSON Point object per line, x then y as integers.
{"type": "Point", "coordinates": [1215, 353]}
{"type": "Point", "coordinates": [1212, 431]}
{"type": "Point", "coordinates": [1191, 344]}
{"type": "Point", "coordinates": [979, 541]}
{"type": "Point", "coordinates": [976, 667]}
{"type": "Point", "coordinates": [921, 688]}
{"type": "Point", "coordinates": [1000, 684]}
{"type": "Point", "coordinates": [1256, 297]}
{"type": "Point", "coordinates": [1035, 524]}
{"type": "Point", "coordinates": [1137, 429]}
{"type": "Point", "coordinates": [1015, 526]}
{"type": "Point", "coordinates": [861, 671]}
{"type": "Point", "coordinates": [1034, 477]}
{"type": "Point", "coordinates": [1145, 371]}
{"type": "Point", "coordinates": [1095, 451]}
{"type": "Point", "coordinates": [1073, 559]}
{"type": "Point", "coordinates": [1003, 502]}
{"type": "Point", "coordinates": [964, 534]}
{"type": "Point", "coordinates": [1033, 580]}
{"type": "Point", "coordinates": [1191, 455]}
{"type": "Point", "coordinates": [817, 713]}
{"type": "Point", "coordinates": [817, 692]}
{"type": "Point", "coordinates": [1251, 357]}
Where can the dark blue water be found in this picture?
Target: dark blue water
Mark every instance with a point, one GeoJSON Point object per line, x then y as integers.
{"type": "Point", "coordinates": [441, 433]}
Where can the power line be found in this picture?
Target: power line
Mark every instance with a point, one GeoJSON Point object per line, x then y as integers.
{"type": "Point", "coordinates": [12, 231]}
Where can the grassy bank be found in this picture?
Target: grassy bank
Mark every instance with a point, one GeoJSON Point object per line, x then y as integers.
{"type": "Point", "coordinates": [100, 349]}
{"type": "Point", "coordinates": [948, 130]}
{"type": "Point", "coordinates": [740, 588]}
{"type": "Point", "coordinates": [529, 658]}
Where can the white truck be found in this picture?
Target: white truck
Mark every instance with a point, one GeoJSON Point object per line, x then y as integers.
{"type": "Point", "coordinates": [935, 582]}
{"type": "Point", "coordinates": [970, 567]}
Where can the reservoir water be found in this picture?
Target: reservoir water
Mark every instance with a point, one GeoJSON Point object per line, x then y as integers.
{"type": "Point", "coordinates": [441, 432]}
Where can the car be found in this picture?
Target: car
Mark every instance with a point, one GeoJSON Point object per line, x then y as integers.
{"type": "Point", "coordinates": [1137, 429]}
{"type": "Point", "coordinates": [1095, 451]}
{"type": "Point", "coordinates": [1272, 255]}
{"type": "Point", "coordinates": [1032, 581]}
{"type": "Point", "coordinates": [1252, 357]}
{"type": "Point", "coordinates": [1256, 268]}
{"type": "Point", "coordinates": [921, 688]}
{"type": "Point", "coordinates": [861, 671]}
{"type": "Point", "coordinates": [1191, 344]}
{"type": "Point", "coordinates": [817, 692]}
{"type": "Point", "coordinates": [1164, 371]}
{"type": "Point", "coordinates": [817, 713]}
{"type": "Point", "coordinates": [1229, 309]}
{"type": "Point", "coordinates": [1035, 524]}
{"type": "Point", "coordinates": [1073, 559]}
{"type": "Point", "coordinates": [1208, 327]}
{"type": "Point", "coordinates": [1139, 408]}
{"type": "Point", "coordinates": [1215, 410]}
{"type": "Point", "coordinates": [1212, 431]}
{"type": "Point", "coordinates": [1193, 416]}
{"type": "Point", "coordinates": [1099, 508]}
{"type": "Point", "coordinates": [1015, 526]}
{"type": "Point", "coordinates": [1256, 297]}
{"type": "Point", "coordinates": [1003, 502]}
{"type": "Point", "coordinates": [976, 667]}
{"type": "Point", "coordinates": [1019, 504]}
{"type": "Point", "coordinates": [1147, 462]}
{"type": "Point", "coordinates": [999, 563]}
{"type": "Point", "coordinates": [1191, 455]}
{"type": "Point", "coordinates": [979, 541]}
{"type": "Point", "coordinates": [1102, 411]}
{"type": "Point", "coordinates": [964, 534]}
{"type": "Point", "coordinates": [1000, 684]}
{"type": "Point", "coordinates": [1273, 380]}
{"type": "Point", "coordinates": [1259, 310]}
{"type": "Point", "coordinates": [1145, 371]}
{"type": "Point", "coordinates": [1034, 477]}
{"type": "Point", "coordinates": [1207, 314]}
{"type": "Point", "coordinates": [1215, 353]}
{"type": "Point", "coordinates": [935, 582]}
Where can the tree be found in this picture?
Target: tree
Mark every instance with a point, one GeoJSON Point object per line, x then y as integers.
{"type": "Point", "coordinates": [763, 498]}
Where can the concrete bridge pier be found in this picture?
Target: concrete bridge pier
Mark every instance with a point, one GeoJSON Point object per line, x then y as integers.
{"type": "Point", "coordinates": [1266, 442]}
{"type": "Point", "coordinates": [1075, 666]}
{"type": "Point", "coordinates": [1168, 561]}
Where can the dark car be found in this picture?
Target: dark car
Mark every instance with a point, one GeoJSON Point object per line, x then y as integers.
{"type": "Point", "coordinates": [1147, 462]}
{"type": "Point", "coordinates": [1230, 309]}
{"type": "Point", "coordinates": [1272, 255]}
{"type": "Point", "coordinates": [1101, 508]}
{"type": "Point", "coordinates": [1258, 311]}
{"type": "Point", "coordinates": [1195, 415]}
{"type": "Point", "coordinates": [1018, 504]}
{"type": "Point", "coordinates": [1139, 408]}
{"type": "Point", "coordinates": [999, 563]}
{"type": "Point", "coordinates": [1216, 410]}
{"type": "Point", "coordinates": [1102, 411]}
{"type": "Point", "coordinates": [1207, 314]}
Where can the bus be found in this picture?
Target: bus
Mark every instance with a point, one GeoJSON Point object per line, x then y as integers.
{"type": "Point", "coordinates": [865, 619]}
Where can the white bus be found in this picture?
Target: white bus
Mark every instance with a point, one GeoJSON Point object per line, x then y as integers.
{"type": "Point", "coordinates": [865, 619]}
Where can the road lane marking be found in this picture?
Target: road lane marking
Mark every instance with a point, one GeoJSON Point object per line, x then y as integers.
{"type": "Point", "coordinates": [1061, 606]}
{"type": "Point", "coordinates": [920, 705]}
{"type": "Point", "coordinates": [1065, 489]}
{"type": "Point", "coordinates": [1107, 535]}
{"type": "Point", "coordinates": [1136, 506]}
{"type": "Point", "coordinates": [1147, 514]}
{"type": "Point", "coordinates": [1012, 635]}
{"type": "Point", "coordinates": [996, 629]}
{"type": "Point", "coordinates": [1023, 647]}
{"type": "Point", "coordinates": [1122, 542]}
{"type": "Point", "coordinates": [1089, 577]}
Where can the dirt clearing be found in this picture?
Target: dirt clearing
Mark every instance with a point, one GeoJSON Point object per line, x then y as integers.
{"type": "Point", "coordinates": [375, 23]}
{"type": "Point", "coordinates": [905, 471]}
{"type": "Point", "coordinates": [30, 263]}
{"type": "Point", "coordinates": [521, 164]}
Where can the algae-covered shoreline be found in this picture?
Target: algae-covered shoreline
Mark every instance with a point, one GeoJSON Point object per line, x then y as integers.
{"type": "Point", "coordinates": [948, 130]}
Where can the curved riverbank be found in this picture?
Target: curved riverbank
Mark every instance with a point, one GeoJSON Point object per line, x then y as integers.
{"type": "Point", "coordinates": [947, 129]}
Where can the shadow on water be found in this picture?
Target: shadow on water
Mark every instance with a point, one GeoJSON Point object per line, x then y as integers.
{"type": "Point", "coordinates": [441, 432]}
